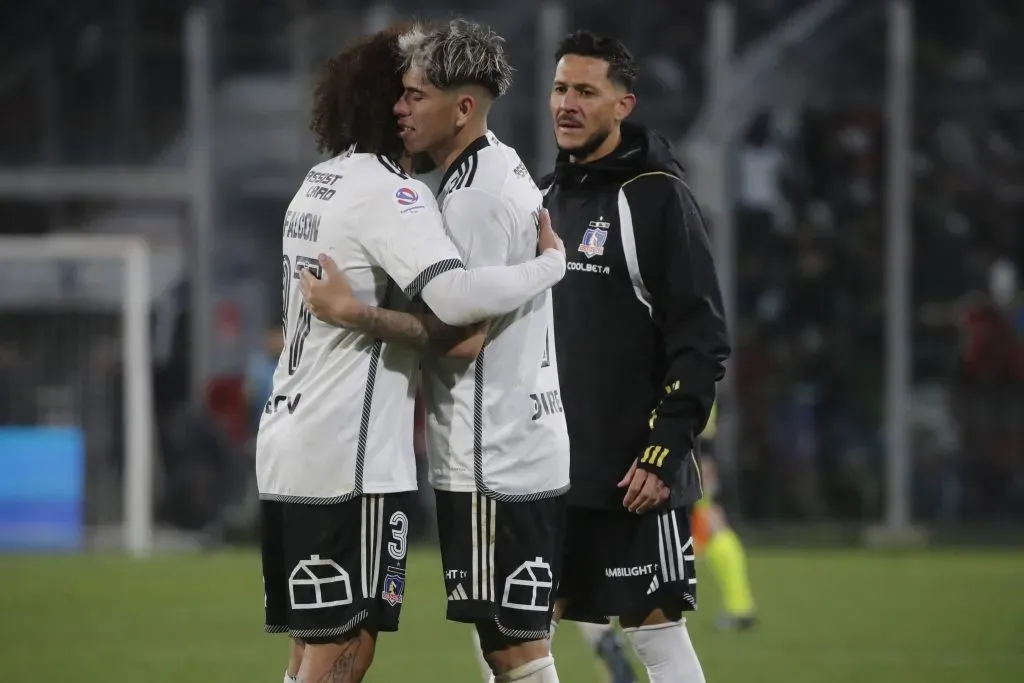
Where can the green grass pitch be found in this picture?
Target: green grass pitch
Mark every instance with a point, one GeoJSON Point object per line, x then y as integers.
{"type": "Point", "coordinates": [854, 617]}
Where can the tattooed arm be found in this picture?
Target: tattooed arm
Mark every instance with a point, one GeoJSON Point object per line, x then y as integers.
{"type": "Point", "coordinates": [391, 326]}
{"type": "Point", "coordinates": [330, 298]}
{"type": "Point", "coordinates": [419, 330]}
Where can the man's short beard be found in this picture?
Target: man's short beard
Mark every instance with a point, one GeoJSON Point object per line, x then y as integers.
{"type": "Point", "coordinates": [590, 146]}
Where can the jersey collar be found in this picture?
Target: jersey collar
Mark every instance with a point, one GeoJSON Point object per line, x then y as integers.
{"type": "Point", "coordinates": [471, 149]}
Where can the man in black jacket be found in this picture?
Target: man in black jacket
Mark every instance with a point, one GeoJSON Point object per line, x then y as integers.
{"type": "Point", "coordinates": [641, 340]}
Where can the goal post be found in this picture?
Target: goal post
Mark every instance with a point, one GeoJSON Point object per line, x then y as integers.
{"type": "Point", "coordinates": [133, 254]}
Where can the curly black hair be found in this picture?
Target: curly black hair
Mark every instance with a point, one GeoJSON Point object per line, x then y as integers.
{"type": "Point", "coordinates": [355, 94]}
{"type": "Point", "coordinates": [622, 69]}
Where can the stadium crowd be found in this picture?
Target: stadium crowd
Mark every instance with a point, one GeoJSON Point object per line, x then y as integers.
{"type": "Point", "coordinates": [810, 344]}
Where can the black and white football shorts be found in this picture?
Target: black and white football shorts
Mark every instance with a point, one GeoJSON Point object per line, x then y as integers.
{"type": "Point", "coordinates": [329, 570]}
{"type": "Point", "coordinates": [501, 560]}
{"type": "Point", "coordinates": [621, 563]}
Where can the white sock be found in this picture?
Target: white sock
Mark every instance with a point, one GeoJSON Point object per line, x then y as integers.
{"type": "Point", "coordinates": [593, 632]}
{"type": "Point", "coordinates": [489, 675]}
{"type": "Point", "coordinates": [538, 671]}
{"type": "Point", "coordinates": [288, 678]}
{"type": "Point", "coordinates": [666, 651]}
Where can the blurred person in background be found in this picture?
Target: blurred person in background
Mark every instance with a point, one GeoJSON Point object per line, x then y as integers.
{"type": "Point", "coordinates": [716, 540]}
{"type": "Point", "coordinates": [759, 189]}
{"type": "Point", "coordinates": [16, 378]}
{"type": "Point", "coordinates": [989, 389]}
{"type": "Point", "coordinates": [259, 375]}
{"type": "Point", "coordinates": [640, 330]}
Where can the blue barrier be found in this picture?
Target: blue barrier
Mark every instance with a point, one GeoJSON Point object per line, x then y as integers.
{"type": "Point", "coordinates": [42, 486]}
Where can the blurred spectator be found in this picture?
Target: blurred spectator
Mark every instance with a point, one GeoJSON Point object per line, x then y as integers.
{"type": "Point", "coordinates": [811, 280]}
{"type": "Point", "coordinates": [259, 374]}
{"type": "Point", "coordinates": [17, 401]}
{"type": "Point", "coordinates": [759, 196]}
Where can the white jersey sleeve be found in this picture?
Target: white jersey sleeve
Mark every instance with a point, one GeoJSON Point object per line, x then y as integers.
{"type": "Point", "coordinates": [464, 297]}
{"type": "Point", "coordinates": [481, 225]}
{"type": "Point", "coordinates": [404, 235]}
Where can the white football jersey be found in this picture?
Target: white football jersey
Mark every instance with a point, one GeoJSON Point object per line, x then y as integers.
{"type": "Point", "coordinates": [496, 425]}
{"type": "Point", "coordinates": [339, 421]}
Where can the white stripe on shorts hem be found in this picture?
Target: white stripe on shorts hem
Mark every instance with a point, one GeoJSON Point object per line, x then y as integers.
{"type": "Point", "coordinates": [681, 549]}
{"type": "Point", "coordinates": [484, 513]}
{"type": "Point", "coordinates": [666, 550]}
{"type": "Point", "coordinates": [371, 535]}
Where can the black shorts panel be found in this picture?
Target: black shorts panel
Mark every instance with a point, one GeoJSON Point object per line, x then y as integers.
{"type": "Point", "coordinates": [329, 570]}
{"type": "Point", "coordinates": [618, 563]}
{"type": "Point", "coordinates": [501, 560]}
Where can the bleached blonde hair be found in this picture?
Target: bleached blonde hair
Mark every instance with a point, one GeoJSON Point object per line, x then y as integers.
{"type": "Point", "coordinates": [460, 53]}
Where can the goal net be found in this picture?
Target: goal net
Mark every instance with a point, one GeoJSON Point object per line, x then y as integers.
{"type": "Point", "coordinates": [76, 423]}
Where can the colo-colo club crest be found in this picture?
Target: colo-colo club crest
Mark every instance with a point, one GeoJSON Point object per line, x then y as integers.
{"type": "Point", "coordinates": [594, 238]}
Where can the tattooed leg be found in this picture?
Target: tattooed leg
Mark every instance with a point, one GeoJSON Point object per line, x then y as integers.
{"type": "Point", "coordinates": [343, 661]}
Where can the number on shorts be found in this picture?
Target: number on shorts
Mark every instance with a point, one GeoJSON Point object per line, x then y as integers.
{"type": "Point", "coordinates": [399, 532]}
{"type": "Point", "coordinates": [545, 360]}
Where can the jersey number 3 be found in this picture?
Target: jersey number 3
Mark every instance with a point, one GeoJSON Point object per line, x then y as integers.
{"type": "Point", "coordinates": [399, 533]}
{"type": "Point", "coordinates": [303, 318]}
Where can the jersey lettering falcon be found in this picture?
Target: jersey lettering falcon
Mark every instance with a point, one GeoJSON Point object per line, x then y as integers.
{"type": "Point", "coordinates": [339, 421]}
{"type": "Point", "coordinates": [496, 425]}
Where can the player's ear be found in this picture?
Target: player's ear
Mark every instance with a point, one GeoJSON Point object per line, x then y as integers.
{"type": "Point", "coordinates": [624, 107]}
{"type": "Point", "coordinates": [465, 106]}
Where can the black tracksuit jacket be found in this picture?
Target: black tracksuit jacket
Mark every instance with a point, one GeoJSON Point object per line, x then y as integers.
{"type": "Point", "coordinates": [639, 326]}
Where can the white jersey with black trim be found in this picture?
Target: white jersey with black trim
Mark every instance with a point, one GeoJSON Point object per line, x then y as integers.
{"type": "Point", "coordinates": [495, 425]}
{"type": "Point", "coordinates": [339, 421]}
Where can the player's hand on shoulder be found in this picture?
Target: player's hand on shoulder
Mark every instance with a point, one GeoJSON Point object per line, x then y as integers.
{"type": "Point", "coordinates": [330, 298]}
{"type": "Point", "coordinates": [645, 491]}
{"type": "Point", "coordinates": [548, 238]}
